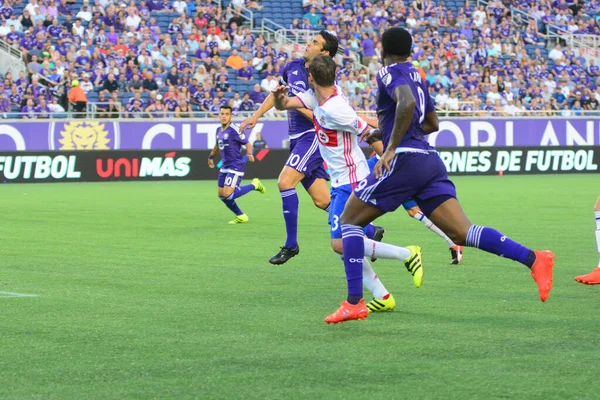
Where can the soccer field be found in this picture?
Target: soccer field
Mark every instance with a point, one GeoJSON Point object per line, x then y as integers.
{"type": "Point", "coordinates": [144, 291]}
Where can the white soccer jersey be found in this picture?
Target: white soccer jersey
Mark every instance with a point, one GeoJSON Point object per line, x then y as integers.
{"type": "Point", "coordinates": [338, 129]}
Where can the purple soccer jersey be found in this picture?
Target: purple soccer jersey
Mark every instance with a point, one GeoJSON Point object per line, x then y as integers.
{"type": "Point", "coordinates": [295, 76]}
{"type": "Point", "coordinates": [230, 142]}
{"type": "Point", "coordinates": [388, 79]}
{"type": "Point", "coordinates": [417, 171]}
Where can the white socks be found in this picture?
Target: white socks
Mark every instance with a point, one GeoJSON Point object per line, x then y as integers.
{"type": "Point", "coordinates": [423, 219]}
{"type": "Point", "coordinates": [386, 251]}
{"type": "Point", "coordinates": [372, 282]}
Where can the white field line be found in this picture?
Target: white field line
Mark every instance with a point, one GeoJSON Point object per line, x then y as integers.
{"type": "Point", "coordinates": [8, 295]}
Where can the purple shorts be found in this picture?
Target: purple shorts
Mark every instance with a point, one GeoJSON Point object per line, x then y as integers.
{"type": "Point", "coordinates": [306, 159]}
{"type": "Point", "coordinates": [230, 178]}
{"type": "Point", "coordinates": [420, 176]}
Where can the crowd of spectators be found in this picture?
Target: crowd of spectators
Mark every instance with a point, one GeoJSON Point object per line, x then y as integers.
{"type": "Point", "coordinates": [171, 58]}
{"type": "Point", "coordinates": [476, 59]}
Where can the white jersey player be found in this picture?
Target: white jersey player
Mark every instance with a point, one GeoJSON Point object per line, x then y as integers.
{"type": "Point", "coordinates": [338, 129]}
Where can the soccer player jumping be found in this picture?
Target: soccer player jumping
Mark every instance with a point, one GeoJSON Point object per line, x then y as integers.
{"type": "Point", "coordinates": [229, 142]}
{"type": "Point", "coordinates": [305, 164]}
{"type": "Point", "coordinates": [411, 168]}
{"type": "Point", "coordinates": [338, 128]}
{"type": "Point", "coordinates": [593, 278]}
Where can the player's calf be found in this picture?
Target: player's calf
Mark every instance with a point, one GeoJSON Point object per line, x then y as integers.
{"type": "Point", "coordinates": [319, 193]}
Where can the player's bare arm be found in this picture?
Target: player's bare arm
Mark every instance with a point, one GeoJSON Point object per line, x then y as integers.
{"type": "Point", "coordinates": [431, 124]}
{"type": "Point", "coordinates": [249, 152]}
{"type": "Point", "coordinates": [377, 147]}
{"type": "Point", "coordinates": [405, 108]}
{"type": "Point", "coordinates": [250, 122]}
{"type": "Point", "coordinates": [269, 103]}
{"type": "Point", "coordinates": [213, 153]}
{"type": "Point", "coordinates": [371, 136]}
{"type": "Point", "coordinates": [283, 102]}
{"type": "Point", "coordinates": [308, 114]}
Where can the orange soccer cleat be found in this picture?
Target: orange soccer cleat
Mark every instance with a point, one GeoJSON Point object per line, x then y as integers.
{"type": "Point", "coordinates": [348, 312]}
{"type": "Point", "coordinates": [593, 278]}
{"type": "Point", "coordinates": [541, 271]}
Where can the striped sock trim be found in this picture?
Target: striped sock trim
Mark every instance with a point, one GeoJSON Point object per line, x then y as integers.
{"type": "Point", "coordinates": [287, 193]}
{"type": "Point", "coordinates": [328, 208]}
{"type": "Point", "coordinates": [597, 215]}
{"type": "Point", "coordinates": [474, 236]}
{"type": "Point", "coordinates": [352, 230]}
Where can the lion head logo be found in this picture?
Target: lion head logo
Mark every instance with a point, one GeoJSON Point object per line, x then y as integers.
{"type": "Point", "coordinates": [84, 136]}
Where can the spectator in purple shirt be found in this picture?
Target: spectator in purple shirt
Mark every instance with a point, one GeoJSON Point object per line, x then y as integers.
{"type": "Point", "coordinates": [367, 48]}
{"type": "Point", "coordinates": [42, 110]}
{"type": "Point", "coordinates": [13, 36]}
{"type": "Point", "coordinates": [257, 95]}
{"type": "Point", "coordinates": [247, 104]}
{"type": "Point", "coordinates": [245, 73]}
{"type": "Point", "coordinates": [28, 111]}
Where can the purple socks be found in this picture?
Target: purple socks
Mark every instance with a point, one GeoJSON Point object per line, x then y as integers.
{"type": "Point", "coordinates": [354, 252]}
{"type": "Point", "coordinates": [492, 241]}
{"type": "Point", "coordinates": [232, 205]}
{"type": "Point", "coordinates": [241, 191]}
{"type": "Point", "coordinates": [290, 202]}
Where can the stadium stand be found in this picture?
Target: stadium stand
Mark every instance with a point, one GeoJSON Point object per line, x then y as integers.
{"type": "Point", "coordinates": [498, 58]}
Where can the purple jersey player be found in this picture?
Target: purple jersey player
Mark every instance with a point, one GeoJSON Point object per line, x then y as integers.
{"type": "Point", "coordinates": [304, 164]}
{"type": "Point", "coordinates": [229, 142]}
{"type": "Point", "coordinates": [411, 168]}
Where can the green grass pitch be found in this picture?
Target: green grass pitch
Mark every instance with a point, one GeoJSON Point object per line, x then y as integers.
{"type": "Point", "coordinates": [144, 291]}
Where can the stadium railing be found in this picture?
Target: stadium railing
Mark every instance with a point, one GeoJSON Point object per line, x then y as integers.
{"type": "Point", "coordinates": [12, 59]}
{"type": "Point", "coordinates": [202, 115]}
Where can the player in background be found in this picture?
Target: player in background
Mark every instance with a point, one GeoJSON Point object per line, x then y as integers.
{"type": "Point", "coordinates": [413, 210]}
{"type": "Point", "coordinates": [411, 168]}
{"type": "Point", "coordinates": [338, 128]}
{"type": "Point", "coordinates": [305, 164]}
{"type": "Point", "coordinates": [230, 140]}
{"type": "Point", "coordinates": [593, 278]}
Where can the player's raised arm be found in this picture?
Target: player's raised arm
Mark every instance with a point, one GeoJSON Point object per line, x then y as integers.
{"type": "Point", "coordinates": [250, 122]}
{"type": "Point", "coordinates": [284, 102]}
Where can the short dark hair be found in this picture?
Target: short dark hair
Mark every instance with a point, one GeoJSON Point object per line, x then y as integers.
{"type": "Point", "coordinates": [322, 69]}
{"type": "Point", "coordinates": [397, 42]}
{"type": "Point", "coordinates": [226, 107]}
{"type": "Point", "coordinates": [331, 42]}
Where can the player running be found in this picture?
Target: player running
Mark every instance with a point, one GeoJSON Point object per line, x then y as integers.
{"type": "Point", "coordinates": [411, 168]}
{"type": "Point", "coordinates": [413, 210]}
{"type": "Point", "coordinates": [338, 128]}
{"type": "Point", "coordinates": [305, 164]}
{"type": "Point", "coordinates": [593, 278]}
{"type": "Point", "coordinates": [229, 143]}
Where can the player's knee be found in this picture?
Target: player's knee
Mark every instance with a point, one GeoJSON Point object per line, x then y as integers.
{"type": "Point", "coordinates": [336, 245]}
{"type": "Point", "coordinates": [321, 203]}
{"type": "Point", "coordinates": [285, 182]}
{"type": "Point", "coordinates": [226, 191]}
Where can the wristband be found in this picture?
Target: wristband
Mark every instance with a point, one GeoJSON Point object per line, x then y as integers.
{"type": "Point", "coordinates": [210, 157]}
